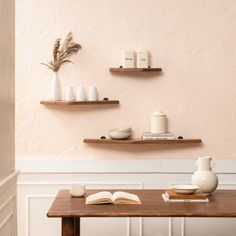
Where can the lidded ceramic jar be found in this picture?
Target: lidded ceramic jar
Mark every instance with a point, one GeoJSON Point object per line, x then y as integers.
{"type": "Point", "coordinates": [204, 177]}
{"type": "Point", "coordinates": [158, 122]}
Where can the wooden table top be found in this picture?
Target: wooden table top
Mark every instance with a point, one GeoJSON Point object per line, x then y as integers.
{"type": "Point", "coordinates": [222, 204]}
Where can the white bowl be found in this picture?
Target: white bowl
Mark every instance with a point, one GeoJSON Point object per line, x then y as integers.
{"type": "Point", "coordinates": [185, 189]}
{"type": "Point", "coordinates": [125, 129]}
{"type": "Point", "coordinates": [119, 135]}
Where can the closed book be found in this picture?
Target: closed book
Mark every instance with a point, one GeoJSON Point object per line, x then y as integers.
{"type": "Point", "coordinates": [166, 199]}
{"type": "Point", "coordinates": [149, 134]}
{"type": "Point", "coordinates": [171, 194]}
{"type": "Point", "coordinates": [157, 138]}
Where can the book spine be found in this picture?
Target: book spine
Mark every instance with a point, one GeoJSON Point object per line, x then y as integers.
{"type": "Point", "coordinates": [166, 199]}
{"type": "Point", "coordinates": [158, 138]}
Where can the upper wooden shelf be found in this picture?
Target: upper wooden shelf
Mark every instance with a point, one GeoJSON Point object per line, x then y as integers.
{"type": "Point", "coordinates": [66, 103]}
{"type": "Point", "coordinates": [141, 141]}
{"type": "Point", "coordinates": [121, 69]}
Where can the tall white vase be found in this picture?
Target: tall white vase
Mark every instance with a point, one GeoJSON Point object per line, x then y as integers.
{"type": "Point", "coordinates": [204, 177]}
{"type": "Point", "coordinates": [55, 88]}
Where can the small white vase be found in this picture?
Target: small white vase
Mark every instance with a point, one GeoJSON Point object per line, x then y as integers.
{"type": "Point", "coordinates": [204, 177]}
{"type": "Point", "coordinates": [80, 94]}
{"type": "Point", "coordinates": [55, 88]}
{"type": "Point", "coordinates": [93, 93]}
{"type": "Point", "coordinates": [69, 94]}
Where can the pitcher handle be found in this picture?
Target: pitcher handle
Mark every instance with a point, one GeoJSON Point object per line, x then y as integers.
{"type": "Point", "coordinates": [212, 164]}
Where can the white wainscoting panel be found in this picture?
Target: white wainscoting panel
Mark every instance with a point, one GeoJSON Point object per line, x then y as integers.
{"type": "Point", "coordinates": [37, 188]}
{"type": "Point", "coordinates": [8, 224]}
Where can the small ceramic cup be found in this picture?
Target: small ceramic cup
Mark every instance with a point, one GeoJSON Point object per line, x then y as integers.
{"type": "Point", "coordinates": [93, 94]}
{"type": "Point", "coordinates": [77, 190]}
{"type": "Point", "coordinates": [69, 93]}
{"type": "Point", "coordinates": [80, 94]}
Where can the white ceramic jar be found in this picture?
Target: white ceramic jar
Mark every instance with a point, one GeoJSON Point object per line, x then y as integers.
{"type": "Point", "coordinates": [204, 177]}
{"type": "Point", "coordinates": [158, 122]}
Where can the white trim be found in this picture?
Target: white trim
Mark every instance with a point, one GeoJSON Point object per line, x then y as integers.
{"type": "Point", "coordinates": [140, 226]}
{"type": "Point", "coordinates": [222, 166]}
{"type": "Point", "coordinates": [29, 183]}
{"type": "Point", "coordinates": [182, 226]}
{"type": "Point", "coordinates": [27, 222]}
{"type": "Point", "coordinates": [6, 219]}
{"type": "Point", "coordinates": [7, 201]}
{"type": "Point", "coordinates": [170, 226]}
{"type": "Point", "coordinates": [128, 231]}
{"type": "Point", "coordinates": [5, 183]}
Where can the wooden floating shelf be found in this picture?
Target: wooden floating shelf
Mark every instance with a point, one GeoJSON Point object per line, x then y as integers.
{"type": "Point", "coordinates": [66, 103]}
{"type": "Point", "coordinates": [135, 69]}
{"type": "Point", "coordinates": [141, 141]}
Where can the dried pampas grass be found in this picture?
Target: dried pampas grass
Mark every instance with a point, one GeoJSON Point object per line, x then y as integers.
{"type": "Point", "coordinates": [62, 51]}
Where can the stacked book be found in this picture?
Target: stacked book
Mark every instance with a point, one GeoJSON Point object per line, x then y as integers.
{"type": "Point", "coordinates": [154, 136]}
{"type": "Point", "coordinates": [172, 196]}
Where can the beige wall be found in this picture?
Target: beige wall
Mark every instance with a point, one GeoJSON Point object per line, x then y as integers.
{"type": "Point", "coordinates": [7, 61]}
{"type": "Point", "coordinates": [194, 43]}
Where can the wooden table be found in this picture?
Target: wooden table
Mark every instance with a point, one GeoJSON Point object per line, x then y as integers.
{"type": "Point", "coordinates": [222, 204]}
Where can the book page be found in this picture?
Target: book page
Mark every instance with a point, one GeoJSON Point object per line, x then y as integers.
{"type": "Point", "coordinates": [99, 198]}
{"type": "Point", "coordinates": [120, 197]}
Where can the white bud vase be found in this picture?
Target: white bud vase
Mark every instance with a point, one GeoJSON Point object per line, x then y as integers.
{"type": "Point", "coordinates": [204, 177]}
{"type": "Point", "coordinates": [55, 88]}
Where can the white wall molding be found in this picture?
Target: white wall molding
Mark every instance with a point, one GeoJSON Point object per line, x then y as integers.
{"type": "Point", "coordinates": [222, 166]}
{"type": "Point", "coordinates": [6, 219]}
{"type": "Point", "coordinates": [9, 180]}
{"type": "Point", "coordinates": [8, 203]}
{"type": "Point", "coordinates": [41, 185]}
{"type": "Point", "coordinates": [41, 180]}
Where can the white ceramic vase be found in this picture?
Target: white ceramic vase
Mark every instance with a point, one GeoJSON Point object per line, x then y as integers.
{"type": "Point", "coordinates": [55, 88]}
{"type": "Point", "coordinates": [93, 93]}
{"type": "Point", "coordinates": [80, 94]}
{"type": "Point", "coordinates": [69, 94]}
{"type": "Point", "coordinates": [204, 177]}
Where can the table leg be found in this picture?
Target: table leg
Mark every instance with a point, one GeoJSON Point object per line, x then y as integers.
{"type": "Point", "coordinates": [70, 226]}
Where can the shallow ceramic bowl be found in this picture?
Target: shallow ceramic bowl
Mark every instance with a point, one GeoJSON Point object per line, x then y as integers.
{"type": "Point", "coordinates": [119, 135]}
{"type": "Point", "coordinates": [125, 129]}
{"type": "Point", "coordinates": [185, 189]}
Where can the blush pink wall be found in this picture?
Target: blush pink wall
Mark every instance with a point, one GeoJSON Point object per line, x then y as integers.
{"type": "Point", "coordinates": [194, 43]}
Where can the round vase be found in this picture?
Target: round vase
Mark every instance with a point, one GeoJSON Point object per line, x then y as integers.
{"type": "Point", "coordinates": [204, 177]}
{"type": "Point", "coordinates": [55, 88]}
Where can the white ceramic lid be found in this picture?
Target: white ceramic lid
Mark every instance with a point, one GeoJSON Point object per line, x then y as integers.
{"type": "Point", "coordinates": [158, 113]}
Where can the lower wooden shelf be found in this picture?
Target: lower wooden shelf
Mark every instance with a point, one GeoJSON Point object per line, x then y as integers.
{"type": "Point", "coordinates": [66, 103]}
{"type": "Point", "coordinates": [141, 141]}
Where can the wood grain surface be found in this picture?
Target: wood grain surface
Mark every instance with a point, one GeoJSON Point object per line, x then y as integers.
{"type": "Point", "coordinates": [222, 204]}
{"type": "Point", "coordinates": [66, 103]}
{"type": "Point", "coordinates": [141, 141]}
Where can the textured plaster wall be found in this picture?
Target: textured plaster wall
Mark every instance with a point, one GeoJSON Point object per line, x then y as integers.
{"type": "Point", "coordinates": [194, 43]}
{"type": "Point", "coordinates": [7, 46]}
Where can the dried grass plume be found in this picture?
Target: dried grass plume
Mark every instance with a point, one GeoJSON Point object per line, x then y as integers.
{"type": "Point", "coordinates": [62, 51]}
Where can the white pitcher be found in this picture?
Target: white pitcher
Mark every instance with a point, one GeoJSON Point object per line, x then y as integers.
{"type": "Point", "coordinates": [204, 177]}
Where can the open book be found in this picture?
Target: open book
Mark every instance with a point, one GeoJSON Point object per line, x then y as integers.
{"type": "Point", "coordinates": [118, 197]}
